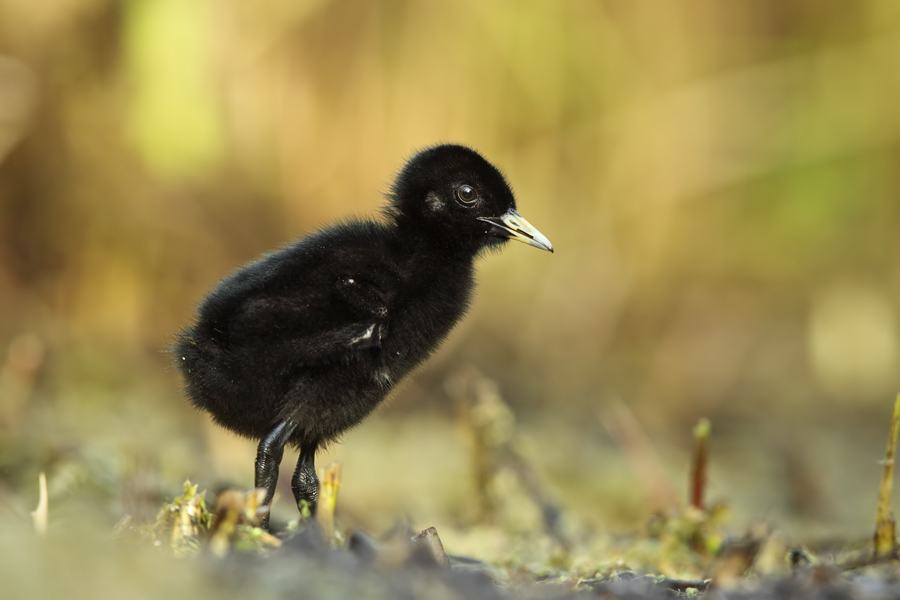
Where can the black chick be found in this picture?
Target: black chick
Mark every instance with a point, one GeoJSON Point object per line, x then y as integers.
{"type": "Point", "coordinates": [302, 344]}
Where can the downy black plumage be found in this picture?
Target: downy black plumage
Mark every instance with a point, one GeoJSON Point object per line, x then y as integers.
{"type": "Point", "coordinates": [303, 343]}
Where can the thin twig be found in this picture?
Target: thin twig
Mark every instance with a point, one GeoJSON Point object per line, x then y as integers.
{"type": "Point", "coordinates": [698, 471]}
{"type": "Point", "coordinates": [328, 491]}
{"type": "Point", "coordinates": [41, 512]}
{"type": "Point", "coordinates": [885, 535]}
{"type": "Point", "coordinates": [628, 434]}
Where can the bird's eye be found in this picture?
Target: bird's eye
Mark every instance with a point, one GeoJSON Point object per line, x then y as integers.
{"type": "Point", "coordinates": [466, 194]}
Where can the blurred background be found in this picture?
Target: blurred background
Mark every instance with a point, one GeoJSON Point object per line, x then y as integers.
{"type": "Point", "coordinates": [720, 182]}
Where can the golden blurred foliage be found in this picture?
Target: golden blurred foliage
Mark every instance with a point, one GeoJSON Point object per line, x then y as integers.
{"type": "Point", "coordinates": [719, 178]}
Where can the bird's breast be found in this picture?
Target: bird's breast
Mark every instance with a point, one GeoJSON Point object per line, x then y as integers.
{"type": "Point", "coordinates": [422, 321]}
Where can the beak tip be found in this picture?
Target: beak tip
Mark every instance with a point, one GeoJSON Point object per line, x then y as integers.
{"type": "Point", "coordinates": [540, 241]}
{"type": "Point", "coordinates": [513, 226]}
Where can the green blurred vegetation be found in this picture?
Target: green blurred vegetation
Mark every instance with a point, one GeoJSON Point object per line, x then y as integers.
{"type": "Point", "coordinates": [719, 179]}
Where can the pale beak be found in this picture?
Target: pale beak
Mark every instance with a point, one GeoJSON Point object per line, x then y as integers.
{"type": "Point", "coordinates": [514, 226]}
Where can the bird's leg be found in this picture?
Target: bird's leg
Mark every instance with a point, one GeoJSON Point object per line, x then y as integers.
{"type": "Point", "coordinates": [268, 458]}
{"type": "Point", "coordinates": [305, 483]}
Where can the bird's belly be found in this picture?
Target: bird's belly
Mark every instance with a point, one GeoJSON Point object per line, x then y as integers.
{"type": "Point", "coordinates": [325, 402]}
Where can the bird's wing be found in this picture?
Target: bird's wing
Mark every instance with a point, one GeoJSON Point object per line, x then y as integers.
{"type": "Point", "coordinates": [326, 313]}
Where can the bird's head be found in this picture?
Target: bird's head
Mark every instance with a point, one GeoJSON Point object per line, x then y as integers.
{"type": "Point", "coordinates": [453, 192]}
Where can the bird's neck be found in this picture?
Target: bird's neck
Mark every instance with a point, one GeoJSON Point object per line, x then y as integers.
{"type": "Point", "coordinates": [436, 244]}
